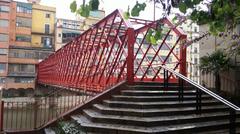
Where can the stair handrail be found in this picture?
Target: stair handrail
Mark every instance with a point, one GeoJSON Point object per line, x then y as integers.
{"type": "Point", "coordinates": [202, 88]}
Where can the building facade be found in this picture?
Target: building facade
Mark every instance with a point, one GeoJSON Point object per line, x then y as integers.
{"type": "Point", "coordinates": [193, 58]}
{"type": "Point", "coordinates": [230, 80]}
{"type": "Point", "coordinates": [66, 30]}
{"type": "Point", "coordinates": [27, 36]}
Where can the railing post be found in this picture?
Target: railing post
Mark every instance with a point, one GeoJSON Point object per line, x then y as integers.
{"type": "Point", "coordinates": [165, 78]}
{"type": "Point", "coordinates": [183, 56]}
{"type": "Point", "coordinates": [1, 116]}
{"type": "Point", "coordinates": [198, 101]}
{"type": "Point", "coordinates": [180, 90]}
{"type": "Point", "coordinates": [130, 57]}
{"type": "Point", "coordinates": [232, 122]}
{"type": "Point", "coordinates": [35, 114]}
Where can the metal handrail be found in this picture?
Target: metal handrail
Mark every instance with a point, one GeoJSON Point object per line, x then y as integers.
{"type": "Point", "coordinates": [226, 102]}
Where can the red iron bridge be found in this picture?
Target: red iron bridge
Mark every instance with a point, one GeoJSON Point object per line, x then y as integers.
{"type": "Point", "coordinates": [115, 67]}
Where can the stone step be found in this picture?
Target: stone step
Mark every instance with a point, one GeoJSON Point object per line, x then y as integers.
{"type": "Point", "coordinates": [157, 87]}
{"type": "Point", "coordinates": [149, 105]}
{"type": "Point", "coordinates": [226, 131]}
{"type": "Point", "coordinates": [156, 112]}
{"type": "Point", "coordinates": [155, 92]}
{"type": "Point", "coordinates": [153, 121]}
{"type": "Point", "coordinates": [156, 98]}
{"type": "Point", "coordinates": [112, 128]}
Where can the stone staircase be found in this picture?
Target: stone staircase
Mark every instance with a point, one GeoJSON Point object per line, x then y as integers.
{"type": "Point", "coordinates": [149, 108]}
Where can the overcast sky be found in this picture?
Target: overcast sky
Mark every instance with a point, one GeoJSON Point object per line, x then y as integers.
{"type": "Point", "coordinates": [63, 11]}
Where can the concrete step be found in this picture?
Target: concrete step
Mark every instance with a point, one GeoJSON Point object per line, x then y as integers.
{"type": "Point", "coordinates": [155, 92]}
{"type": "Point", "coordinates": [157, 111]}
{"type": "Point", "coordinates": [157, 98]}
{"type": "Point", "coordinates": [150, 105]}
{"type": "Point", "coordinates": [157, 87]}
{"type": "Point", "coordinates": [112, 128]}
{"type": "Point", "coordinates": [153, 121]}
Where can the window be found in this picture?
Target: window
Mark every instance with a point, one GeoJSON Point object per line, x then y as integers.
{"type": "Point", "coordinates": [47, 28]}
{"type": "Point", "coordinates": [23, 38]}
{"type": "Point", "coordinates": [164, 47]}
{"type": "Point", "coordinates": [4, 23]}
{"type": "Point", "coordinates": [195, 29]}
{"type": "Point", "coordinates": [2, 67]}
{"type": "Point", "coordinates": [150, 57]}
{"type": "Point", "coordinates": [195, 50]}
{"type": "Point", "coordinates": [59, 35]}
{"type": "Point", "coordinates": [2, 80]}
{"type": "Point", "coordinates": [4, 8]}
{"type": "Point", "coordinates": [69, 36]}
{"type": "Point", "coordinates": [21, 68]}
{"type": "Point", "coordinates": [168, 60]}
{"type": "Point", "coordinates": [195, 61]}
{"type": "Point", "coordinates": [24, 80]}
{"type": "Point", "coordinates": [196, 73]}
{"type": "Point", "coordinates": [23, 22]}
{"type": "Point", "coordinates": [24, 8]}
{"type": "Point", "coordinates": [47, 15]}
{"type": "Point", "coordinates": [47, 42]}
{"type": "Point", "coordinates": [4, 38]}
{"type": "Point", "coordinates": [3, 51]}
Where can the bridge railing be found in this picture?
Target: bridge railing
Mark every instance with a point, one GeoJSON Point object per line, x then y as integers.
{"type": "Point", "coordinates": [95, 60]}
{"type": "Point", "coordinates": [169, 51]}
{"type": "Point", "coordinates": [21, 114]}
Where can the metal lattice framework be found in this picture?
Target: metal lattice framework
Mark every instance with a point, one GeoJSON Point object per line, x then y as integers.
{"type": "Point", "coordinates": [114, 50]}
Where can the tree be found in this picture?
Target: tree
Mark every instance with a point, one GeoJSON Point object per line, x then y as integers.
{"type": "Point", "coordinates": [215, 63]}
{"type": "Point", "coordinates": [221, 16]}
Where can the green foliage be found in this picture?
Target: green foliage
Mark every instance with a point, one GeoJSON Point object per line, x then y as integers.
{"type": "Point", "coordinates": [94, 4]}
{"type": "Point", "coordinates": [216, 62]}
{"type": "Point", "coordinates": [183, 7]}
{"type": "Point", "coordinates": [138, 8]}
{"type": "Point", "coordinates": [222, 14]}
{"type": "Point", "coordinates": [126, 14]}
{"type": "Point", "coordinates": [73, 6]}
{"type": "Point", "coordinates": [154, 36]}
{"type": "Point", "coordinates": [84, 9]}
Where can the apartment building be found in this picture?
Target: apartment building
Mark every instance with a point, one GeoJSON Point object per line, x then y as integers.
{"type": "Point", "coordinates": [193, 58]}
{"type": "Point", "coordinates": [27, 36]}
{"type": "Point", "coordinates": [66, 29]}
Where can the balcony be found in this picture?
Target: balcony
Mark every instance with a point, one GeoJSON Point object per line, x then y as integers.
{"type": "Point", "coordinates": [23, 30]}
{"type": "Point", "coordinates": [22, 44]}
{"type": "Point", "coordinates": [25, 15]}
{"type": "Point", "coordinates": [3, 58]}
{"type": "Point", "coordinates": [66, 40]}
{"type": "Point", "coordinates": [4, 30]}
{"type": "Point", "coordinates": [3, 74]}
{"type": "Point", "coordinates": [19, 85]}
{"type": "Point", "coordinates": [4, 15]}
{"type": "Point", "coordinates": [4, 45]}
{"type": "Point", "coordinates": [22, 61]}
{"type": "Point", "coordinates": [22, 74]}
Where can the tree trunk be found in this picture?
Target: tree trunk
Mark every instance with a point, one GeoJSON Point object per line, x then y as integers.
{"type": "Point", "coordinates": [217, 82]}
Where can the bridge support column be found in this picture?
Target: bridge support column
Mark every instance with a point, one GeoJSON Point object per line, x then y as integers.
{"type": "Point", "coordinates": [183, 56]}
{"type": "Point", "coordinates": [130, 57]}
